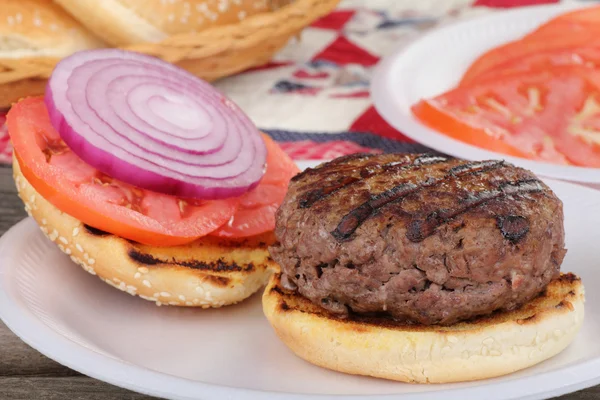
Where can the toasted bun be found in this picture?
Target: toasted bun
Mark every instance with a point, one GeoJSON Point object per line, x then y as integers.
{"type": "Point", "coordinates": [12, 92]}
{"type": "Point", "coordinates": [484, 348]}
{"type": "Point", "coordinates": [123, 22]}
{"type": "Point", "coordinates": [210, 272]}
{"type": "Point", "coordinates": [40, 28]}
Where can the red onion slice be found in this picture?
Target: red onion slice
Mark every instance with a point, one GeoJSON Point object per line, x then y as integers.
{"type": "Point", "coordinates": [153, 125]}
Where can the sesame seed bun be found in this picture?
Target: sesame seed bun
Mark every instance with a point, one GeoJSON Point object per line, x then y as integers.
{"type": "Point", "coordinates": [40, 28]}
{"type": "Point", "coordinates": [124, 22]}
{"type": "Point", "coordinates": [210, 272]}
{"type": "Point", "coordinates": [488, 347]}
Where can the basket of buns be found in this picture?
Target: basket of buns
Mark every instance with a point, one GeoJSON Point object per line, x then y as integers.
{"type": "Point", "coordinates": [210, 38]}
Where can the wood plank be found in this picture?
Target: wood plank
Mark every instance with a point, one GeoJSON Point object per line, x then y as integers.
{"type": "Point", "coordinates": [73, 388]}
{"type": "Point", "coordinates": [27, 374]}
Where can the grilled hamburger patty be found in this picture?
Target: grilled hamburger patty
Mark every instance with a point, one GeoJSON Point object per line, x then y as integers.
{"type": "Point", "coordinates": [420, 238]}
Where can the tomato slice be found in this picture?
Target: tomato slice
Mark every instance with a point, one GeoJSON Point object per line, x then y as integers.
{"type": "Point", "coordinates": [561, 36]}
{"type": "Point", "coordinates": [80, 190]}
{"type": "Point", "coordinates": [256, 212]}
{"type": "Point", "coordinates": [581, 19]}
{"type": "Point", "coordinates": [551, 116]}
{"type": "Point", "coordinates": [582, 56]}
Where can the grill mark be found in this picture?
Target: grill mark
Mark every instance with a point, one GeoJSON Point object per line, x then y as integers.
{"type": "Point", "coordinates": [95, 231]}
{"type": "Point", "coordinates": [214, 280]}
{"type": "Point", "coordinates": [220, 265]}
{"type": "Point", "coordinates": [308, 199]}
{"type": "Point", "coordinates": [352, 221]}
{"type": "Point", "coordinates": [332, 164]}
{"type": "Point", "coordinates": [419, 229]}
{"type": "Point", "coordinates": [427, 159]}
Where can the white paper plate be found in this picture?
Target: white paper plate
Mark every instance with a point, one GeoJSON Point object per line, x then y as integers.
{"type": "Point", "coordinates": [79, 321]}
{"type": "Point", "coordinates": [435, 63]}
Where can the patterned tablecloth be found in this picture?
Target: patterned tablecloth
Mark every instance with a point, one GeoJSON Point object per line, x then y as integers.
{"type": "Point", "coordinates": [313, 98]}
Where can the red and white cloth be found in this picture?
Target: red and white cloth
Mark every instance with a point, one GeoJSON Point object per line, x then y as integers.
{"type": "Point", "coordinates": [319, 85]}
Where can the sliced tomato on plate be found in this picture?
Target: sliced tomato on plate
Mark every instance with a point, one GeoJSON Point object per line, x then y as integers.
{"type": "Point", "coordinates": [562, 37]}
{"type": "Point", "coordinates": [586, 18]}
{"type": "Point", "coordinates": [581, 56]}
{"type": "Point", "coordinates": [551, 116]}
{"type": "Point", "coordinates": [256, 212]}
{"type": "Point", "coordinates": [83, 192]}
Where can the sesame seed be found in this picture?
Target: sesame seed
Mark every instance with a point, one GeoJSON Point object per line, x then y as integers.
{"type": "Point", "coordinates": [44, 229]}
{"type": "Point", "coordinates": [78, 247]}
{"type": "Point", "coordinates": [131, 288]}
{"type": "Point", "coordinates": [199, 289]}
{"type": "Point", "coordinates": [44, 222]}
{"type": "Point", "coordinates": [157, 294]}
{"type": "Point", "coordinates": [137, 275]}
{"type": "Point", "coordinates": [181, 297]}
{"type": "Point", "coordinates": [91, 261]}
{"type": "Point", "coordinates": [75, 231]}
{"type": "Point", "coordinates": [91, 271]}
{"type": "Point", "coordinates": [189, 303]}
{"type": "Point", "coordinates": [85, 256]}
{"type": "Point", "coordinates": [63, 239]}
{"type": "Point", "coordinates": [158, 303]}
{"type": "Point", "coordinates": [147, 298]}
{"type": "Point", "coordinates": [75, 260]}
{"type": "Point", "coordinates": [61, 247]}
{"type": "Point", "coordinates": [143, 270]}
{"type": "Point", "coordinates": [32, 197]}
{"type": "Point", "coordinates": [146, 283]}
{"type": "Point", "coordinates": [173, 303]}
{"type": "Point", "coordinates": [165, 294]}
{"type": "Point", "coordinates": [68, 251]}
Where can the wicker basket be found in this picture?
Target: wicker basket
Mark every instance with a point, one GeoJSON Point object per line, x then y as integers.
{"type": "Point", "coordinates": [210, 54]}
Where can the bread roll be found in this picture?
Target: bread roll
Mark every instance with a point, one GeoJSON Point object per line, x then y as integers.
{"type": "Point", "coordinates": [487, 347]}
{"type": "Point", "coordinates": [124, 22]}
{"type": "Point", "coordinates": [208, 273]}
{"type": "Point", "coordinates": [40, 28]}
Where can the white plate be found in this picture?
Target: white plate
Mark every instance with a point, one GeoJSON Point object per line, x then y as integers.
{"type": "Point", "coordinates": [435, 63]}
{"type": "Point", "coordinates": [79, 321]}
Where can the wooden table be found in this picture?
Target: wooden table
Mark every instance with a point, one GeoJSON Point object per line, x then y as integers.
{"type": "Point", "coordinates": [26, 374]}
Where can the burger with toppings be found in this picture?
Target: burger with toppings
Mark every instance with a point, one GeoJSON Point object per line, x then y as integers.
{"type": "Point", "coordinates": [150, 178]}
{"type": "Point", "coordinates": [422, 268]}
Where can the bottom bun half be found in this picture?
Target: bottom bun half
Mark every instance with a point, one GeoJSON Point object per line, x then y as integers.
{"type": "Point", "coordinates": [210, 272]}
{"type": "Point", "coordinates": [488, 347]}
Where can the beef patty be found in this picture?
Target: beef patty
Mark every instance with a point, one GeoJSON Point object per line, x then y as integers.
{"type": "Point", "coordinates": [420, 238]}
